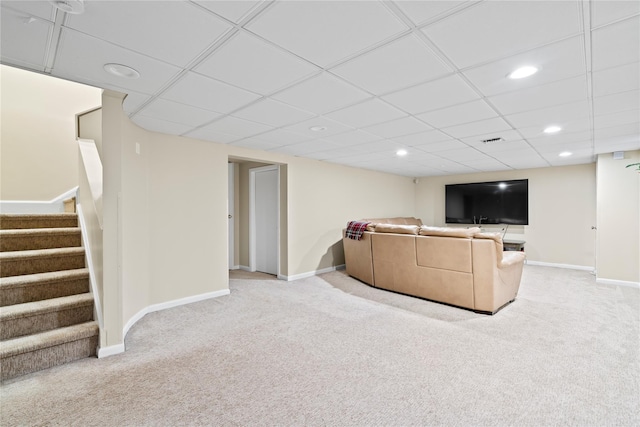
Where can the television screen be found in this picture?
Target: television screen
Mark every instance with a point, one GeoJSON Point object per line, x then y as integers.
{"type": "Point", "coordinates": [498, 202]}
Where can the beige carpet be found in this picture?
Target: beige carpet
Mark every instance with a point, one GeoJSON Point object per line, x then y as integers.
{"type": "Point", "coordinates": [330, 351]}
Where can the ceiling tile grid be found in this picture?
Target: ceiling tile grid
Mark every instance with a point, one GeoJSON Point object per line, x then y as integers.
{"type": "Point", "coordinates": [351, 82]}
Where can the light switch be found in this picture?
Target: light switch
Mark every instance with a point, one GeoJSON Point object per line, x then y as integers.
{"type": "Point", "coordinates": [137, 148]}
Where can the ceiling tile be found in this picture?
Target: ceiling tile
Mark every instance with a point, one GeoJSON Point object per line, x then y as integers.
{"type": "Point", "coordinates": [162, 126]}
{"type": "Point", "coordinates": [273, 113]}
{"type": "Point", "coordinates": [546, 116]}
{"type": "Point", "coordinates": [40, 9]}
{"type": "Point", "coordinates": [398, 127]}
{"type": "Point", "coordinates": [436, 147]}
{"type": "Point", "coordinates": [235, 126]}
{"type": "Point", "coordinates": [248, 62]}
{"type": "Point", "coordinates": [207, 133]}
{"type": "Point", "coordinates": [572, 147]}
{"type": "Point", "coordinates": [430, 96]}
{"type": "Point", "coordinates": [572, 126]}
{"type": "Point", "coordinates": [23, 43]}
{"type": "Point", "coordinates": [489, 165]}
{"type": "Point", "coordinates": [618, 102]}
{"type": "Point", "coordinates": [556, 61]}
{"type": "Point", "coordinates": [325, 34]}
{"type": "Point", "coordinates": [605, 12]}
{"type": "Point", "coordinates": [616, 44]}
{"type": "Point", "coordinates": [281, 137]}
{"type": "Point", "coordinates": [256, 144]}
{"type": "Point", "coordinates": [563, 138]}
{"type": "Point", "coordinates": [354, 137]}
{"type": "Point", "coordinates": [396, 65]}
{"type": "Point", "coordinates": [203, 92]}
{"type": "Point", "coordinates": [331, 127]}
{"type": "Point", "coordinates": [307, 147]}
{"type": "Point", "coordinates": [458, 114]}
{"type": "Point", "coordinates": [422, 11]}
{"type": "Point", "coordinates": [502, 146]}
{"type": "Point", "coordinates": [616, 119]}
{"type": "Point", "coordinates": [482, 127]}
{"type": "Point", "coordinates": [549, 95]}
{"type": "Point", "coordinates": [617, 79]}
{"type": "Point", "coordinates": [631, 129]}
{"type": "Point", "coordinates": [162, 109]}
{"type": "Point", "coordinates": [366, 113]}
{"type": "Point", "coordinates": [82, 58]}
{"type": "Point", "coordinates": [463, 154]}
{"type": "Point", "coordinates": [151, 28]}
{"type": "Point", "coordinates": [630, 142]}
{"type": "Point", "coordinates": [384, 146]}
{"type": "Point", "coordinates": [495, 29]}
{"type": "Point", "coordinates": [337, 153]}
{"type": "Point", "coordinates": [232, 10]}
{"type": "Point", "coordinates": [422, 138]}
{"type": "Point", "coordinates": [321, 94]}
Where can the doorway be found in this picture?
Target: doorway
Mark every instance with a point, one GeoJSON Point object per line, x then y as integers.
{"type": "Point", "coordinates": [264, 219]}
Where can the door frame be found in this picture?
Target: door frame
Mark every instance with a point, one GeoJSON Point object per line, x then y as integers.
{"type": "Point", "coordinates": [231, 187]}
{"type": "Point", "coordinates": [252, 215]}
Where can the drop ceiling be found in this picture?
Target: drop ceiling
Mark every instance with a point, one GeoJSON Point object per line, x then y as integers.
{"type": "Point", "coordinates": [429, 77]}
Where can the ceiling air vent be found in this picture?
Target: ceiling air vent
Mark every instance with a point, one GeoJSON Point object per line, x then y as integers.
{"type": "Point", "coordinates": [492, 140]}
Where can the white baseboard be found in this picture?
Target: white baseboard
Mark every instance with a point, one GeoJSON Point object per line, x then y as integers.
{"type": "Point", "coordinates": [170, 304]}
{"type": "Point", "coordinates": [618, 283]}
{"type": "Point", "coordinates": [311, 273]}
{"type": "Point", "coordinates": [552, 264]}
{"type": "Point", "coordinates": [244, 268]}
{"type": "Point", "coordinates": [55, 205]}
{"type": "Point", "coordinates": [119, 348]}
{"type": "Point", "coordinates": [110, 351]}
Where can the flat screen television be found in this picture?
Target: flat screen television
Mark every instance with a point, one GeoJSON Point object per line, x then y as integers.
{"type": "Point", "coordinates": [497, 202]}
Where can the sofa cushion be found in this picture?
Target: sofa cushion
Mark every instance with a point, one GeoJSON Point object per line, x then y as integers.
{"type": "Point", "coordinates": [396, 228]}
{"type": "Point", "coordinates": [400, 220]}
{"type": "Point", "coordinates": [448, 231]}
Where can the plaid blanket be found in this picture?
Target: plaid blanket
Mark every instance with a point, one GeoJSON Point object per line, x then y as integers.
{"type": "Point", "coordinates": [355, 229]}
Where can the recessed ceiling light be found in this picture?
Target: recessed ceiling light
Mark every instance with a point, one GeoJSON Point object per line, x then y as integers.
{"type": "Point", "coordinates": [552, 129]}
{"type": "Point", "coordinates": [75, 7]}
{"type": "Point", "coordinates": [565, 154]}
{"type": "Point", "coordinates": [317, 128]}
{"type": "Point", "coordinates": [120, 70]}
{"type": "Point", "coordinates": [523, 72]}
{"type": "Point", "coordinates": [402, 152]}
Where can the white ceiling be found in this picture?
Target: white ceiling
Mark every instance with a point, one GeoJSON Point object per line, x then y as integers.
{"type": "Point", "coordinates": [425, 76]}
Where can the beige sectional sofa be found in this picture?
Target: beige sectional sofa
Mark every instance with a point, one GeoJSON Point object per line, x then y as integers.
{"type": "Point", "coordinates": [457, 266]}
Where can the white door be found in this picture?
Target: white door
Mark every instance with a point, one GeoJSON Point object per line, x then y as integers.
{"type": "Point", "coordinates": [230, 211]}
{"type": "Point", "coordinates": [264, 219]}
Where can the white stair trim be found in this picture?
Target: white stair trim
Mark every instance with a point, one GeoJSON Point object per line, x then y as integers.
{"type": "Point", "coordinates": [55, 205]}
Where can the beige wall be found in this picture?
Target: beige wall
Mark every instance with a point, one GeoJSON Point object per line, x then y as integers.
{"type": "Point", "coordinates": [38, 151]}
{"type": "Point", "coordinates": [562, 206]}
{"type": "Point", "coordinates": [618, 218]}
{"type": "Point", "coordinates": [165, 225]}
{"type": "Point", "coordinates": [323, 197]}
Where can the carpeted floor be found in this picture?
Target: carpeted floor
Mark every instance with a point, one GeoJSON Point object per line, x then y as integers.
{"type": "Point", "coordinates": [331, 351]}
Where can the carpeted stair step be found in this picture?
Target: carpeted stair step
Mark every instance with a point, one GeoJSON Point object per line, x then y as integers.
{"type": "Point", "coordinates": [39, 238]}
{"type": "Point", "coordinates": [41, 286]}
{"type": "Point", "coordinates": [32, 353]}
{"type": "Point", "coordinates": [40, 261]}
{"type": "Point", "coordinates": [40, 316]}
{"type": "Point", "coordinates": [21, 221]}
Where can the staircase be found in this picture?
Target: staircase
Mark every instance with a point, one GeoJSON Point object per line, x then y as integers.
{"type": "Point", "coordinates": [46, 308]}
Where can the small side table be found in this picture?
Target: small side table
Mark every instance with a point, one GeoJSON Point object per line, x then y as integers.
{"type": "Point", "coordinates": [513, 245]}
